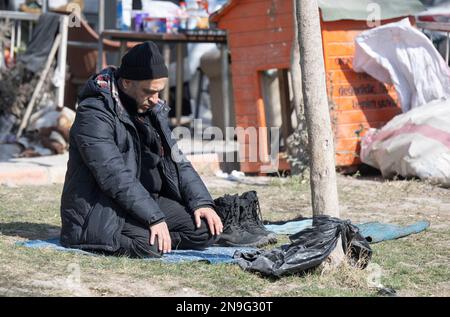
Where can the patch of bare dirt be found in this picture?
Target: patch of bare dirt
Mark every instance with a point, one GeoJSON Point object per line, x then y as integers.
{"type": "Point", "coordinates": [90, 285]}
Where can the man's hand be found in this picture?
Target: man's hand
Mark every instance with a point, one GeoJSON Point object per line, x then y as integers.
{"type": "Point", "coordinates": [214, 223]}
{"type": "Point", "coordinates": [161, 231]}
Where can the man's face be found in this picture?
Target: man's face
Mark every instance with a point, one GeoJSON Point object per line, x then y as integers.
{"type": "Point", "coordinates": [145, 92]}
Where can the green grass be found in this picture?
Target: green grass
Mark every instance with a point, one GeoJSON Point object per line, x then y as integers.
{"type": "Point", "coordinates": [415, 265]}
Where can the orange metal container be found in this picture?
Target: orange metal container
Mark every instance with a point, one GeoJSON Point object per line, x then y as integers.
{"type": "Point", "coordinates": [260, 36]}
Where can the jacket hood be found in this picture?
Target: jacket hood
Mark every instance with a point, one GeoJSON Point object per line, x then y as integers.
{"type": "Point", "coordinates": [99, 84]}
{"type": "Point", "coordinates": [104, 86]}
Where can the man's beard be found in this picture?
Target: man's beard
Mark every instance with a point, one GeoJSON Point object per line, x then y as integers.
{"type": "Point", "coordinates": [129, 102]}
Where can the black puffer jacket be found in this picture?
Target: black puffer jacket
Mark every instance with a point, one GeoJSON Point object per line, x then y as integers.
{"type": "Point", "coordinates": [102, 182]}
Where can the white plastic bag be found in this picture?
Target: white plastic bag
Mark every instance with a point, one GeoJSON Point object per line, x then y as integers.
{"type": "Point", "coordinates": [399, 54]}
{"type": "Point", "coordinates": [416, 143]}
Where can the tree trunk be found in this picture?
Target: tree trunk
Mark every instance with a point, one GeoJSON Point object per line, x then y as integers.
{"type": "Point", "coordinates": [320, 134]}
{"type": "Point", "coordinates": [296, 72]}
{"type": "Point", "coordinates": [297, 142]}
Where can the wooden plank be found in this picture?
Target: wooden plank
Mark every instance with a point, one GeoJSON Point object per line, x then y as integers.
{"type": "Point", "coordinates": [248, 81]}
{"type": "Point", "coordinates": [349, 145]}
{"type": "Point", "coordinates": [245, 121]}
{"type": "Point", "coordinates": [360, 89]}
{"type": "Point", "coordinates": [250, 69]}
{"type": "Point", "coordinates": [347, 159]}
{"type": "Point", "coordinates": [270, 36]}
{"type": "Point", "coordinates": [339, 63]}
{"type": "Point", "coordinates": [355, 129]}
{"type": "Point", "coordinates": [254, 54]}
{"type": "Point", "coordinates": [355, 25]}
{"type": "Point", "coordinates": [381, 101]}
{"type": "Point", "coordinates": [247, 138]}
{"type": "Point", "coordinates": [262, 54]}
{"type": "Point", "coordinates": [250, 152]}
{"type": "Point", "coordinates": [242, 94]}
{"type": "Point", "coordinates": [247, 167]}
{"type": "Point", "coordinates": [242, 105]}
{"type": "Point", "coordinates": [251, 136]}
{"type": "Point", "coordinates": [360, 116]}
{"type": "Point", "coordinates": [264, 8]}
{"type": "Point", "coordinates": [251, 1]}
{"type": "Point", "coordinates": [257, 23]}
{"type": "Point", "coordinates": [344, 25]}
{"type": "Point", "coordinates": [261, 111]}
{"type": "Point", "coordinates": [242, 69]}
{"type": "Point", "coordinates": [242, 99]}
{"type": "Point", "coordinates": [39, 85]}
{"type": "Point", "coordinates": [284, 165]}
{"type": "Point", "coordinates": [342, 36]}
{"type": "Point", "coordinates": [347, 76]}
{"type": "Point", "coordinates": [340, 49]}
{"type": "Point", "coordinates": [247, 109]}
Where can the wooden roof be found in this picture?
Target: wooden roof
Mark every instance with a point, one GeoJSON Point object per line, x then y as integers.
{"type": "Point", "coordinates": [333, 10]}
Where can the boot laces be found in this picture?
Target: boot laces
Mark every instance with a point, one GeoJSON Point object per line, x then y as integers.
{"type": "Point", "coordinates": [256, 209]}
{"type": "Point", "coordinates": [252, 213]}
{"type": "Point", "coordinates": [231, 216]}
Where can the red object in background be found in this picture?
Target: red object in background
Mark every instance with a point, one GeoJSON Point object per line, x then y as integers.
{"type": "Point", "coordinates": [203, 4]}
{"type": "Point", "coordinates": [8, 60]}
{"type": "Point", "coordinates": [427, 18]}
{"type": "Point", "coordinates": [445, 18]}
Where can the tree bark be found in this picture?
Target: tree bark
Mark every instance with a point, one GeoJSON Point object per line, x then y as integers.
{"type": "Point", "coordinates": [296, 72]}
{"type": "Point", "coordinates": [297, 142]}
{"type": "Point", "coordinates": [320, 135]}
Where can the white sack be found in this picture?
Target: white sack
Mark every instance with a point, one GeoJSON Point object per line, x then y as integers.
{"type": "Point", "coordinates": [416, 143]}
{"type": "Point", "coordinates": [399, 54]}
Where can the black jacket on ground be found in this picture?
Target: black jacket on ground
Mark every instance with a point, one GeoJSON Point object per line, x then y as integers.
{"type": "Point", "coordinates": [102, 183]}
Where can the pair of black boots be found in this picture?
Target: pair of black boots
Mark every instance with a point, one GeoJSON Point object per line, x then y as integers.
{"type": "Point", "coordinates": [242, 222]}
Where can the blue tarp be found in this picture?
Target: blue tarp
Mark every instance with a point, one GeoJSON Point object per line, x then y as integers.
{"type": "Point", "coordinates": [376, 232]}
{"type": "Point", "coordinates": [372, 231]}
{"type": "Point", "coordinates": [210, 255]}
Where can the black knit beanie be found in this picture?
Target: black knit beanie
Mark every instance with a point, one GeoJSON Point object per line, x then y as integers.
{"type": "Point", "coordinates": [142, 62]}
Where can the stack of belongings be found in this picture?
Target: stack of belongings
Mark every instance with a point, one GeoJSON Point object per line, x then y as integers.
{"type": "Point", "coordinates": [19, 81]}
{"type": "Point", "coordinates": [30, 82]}
{"type": "Point", "coordinates": [47, 132]}
{"type": "Point", "coordinates": [242, 221]}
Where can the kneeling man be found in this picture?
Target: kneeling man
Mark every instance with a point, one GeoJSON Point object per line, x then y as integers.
{"type": "Point", "coordinates": [128, 189]}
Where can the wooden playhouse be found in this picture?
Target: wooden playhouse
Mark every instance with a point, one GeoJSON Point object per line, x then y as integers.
{"type": "Point", "coordinates": [260, 36]}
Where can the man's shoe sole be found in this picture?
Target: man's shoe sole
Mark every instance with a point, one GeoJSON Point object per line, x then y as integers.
{"type": "Point", "coordinates": [260, 243]}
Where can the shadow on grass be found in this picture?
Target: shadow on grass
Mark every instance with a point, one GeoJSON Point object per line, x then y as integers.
{"type": "Point", "coordinates": [29, 230]}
